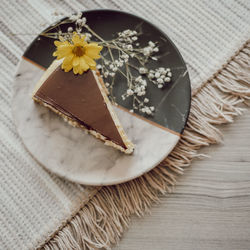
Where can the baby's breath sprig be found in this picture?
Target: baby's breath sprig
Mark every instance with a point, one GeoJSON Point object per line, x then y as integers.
{"type": "Point", "coordinates": [123, 55]}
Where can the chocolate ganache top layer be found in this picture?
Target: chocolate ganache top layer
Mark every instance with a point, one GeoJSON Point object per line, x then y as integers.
{"type": "Point", "coordinates": [79, 97]}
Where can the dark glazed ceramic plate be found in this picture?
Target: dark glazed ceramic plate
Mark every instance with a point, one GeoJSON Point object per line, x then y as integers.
{"type": "Point", "coordinates": [172, 102]}
{"type": "Point", "coordinates": [76, 156]}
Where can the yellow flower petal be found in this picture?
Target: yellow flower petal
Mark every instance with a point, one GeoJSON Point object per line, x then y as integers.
{"type": "Point", "coordinates": [67, 67]}
{"type": "Point", "coordinates": [78, 41]}
{"type": "Point", "coordinates": [67, 63]}
{"type": "Point", "coordinates": [58, 43]}
{"type": "Point", "coordinates": [68, 58]}
{"type": "Point", "coordinates": [80, 71]}
{"type": "Point", "coordinates": [89, 61]}
{"type": "Point", "coordinates": [92, 50]}
{"type": "Point", "coordinates": [76, 69]}
{"type": "Point", "coordinates": [76, 61]}
{"type": "Point", "coordinates": [65, 48]}
{"type": "Point", "coordinates": [83, 64]}
{"type": "Point", "coordinates": [63, 51]}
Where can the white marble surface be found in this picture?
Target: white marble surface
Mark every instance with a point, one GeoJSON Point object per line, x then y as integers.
{"type": "Point", "coordinates": [75, 155]}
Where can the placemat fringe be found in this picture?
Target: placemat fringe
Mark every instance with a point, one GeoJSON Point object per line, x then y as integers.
{"type": "Point", "coordinates": [101, 222]}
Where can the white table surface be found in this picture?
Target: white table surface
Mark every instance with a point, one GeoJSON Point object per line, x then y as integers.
{"type": "Point", "coordinates": [210, 207]}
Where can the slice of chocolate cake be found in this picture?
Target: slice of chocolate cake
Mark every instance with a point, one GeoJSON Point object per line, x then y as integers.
{"type": "Point", "coordinates": [82, 101]}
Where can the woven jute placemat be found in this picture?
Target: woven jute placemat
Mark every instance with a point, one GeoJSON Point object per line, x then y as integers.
{"type": "Point", "coordinates": [101, 221]}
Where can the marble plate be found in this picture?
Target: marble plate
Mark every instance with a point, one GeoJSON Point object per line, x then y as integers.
{"type": "Point", "coordinates": [77, 156]}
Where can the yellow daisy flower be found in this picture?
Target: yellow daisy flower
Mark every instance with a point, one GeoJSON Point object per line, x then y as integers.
{"type": "Point", "coordinates": [78, 55]}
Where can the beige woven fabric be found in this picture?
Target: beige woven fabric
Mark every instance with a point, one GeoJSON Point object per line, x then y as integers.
{"type": "Point", "coordinates": [34, 203]}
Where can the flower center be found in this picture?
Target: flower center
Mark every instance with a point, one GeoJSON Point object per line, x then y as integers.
{"type": "Point", "coordinates": [78, 50]}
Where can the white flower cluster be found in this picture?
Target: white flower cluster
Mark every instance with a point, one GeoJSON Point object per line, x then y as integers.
{"type": "Point", "coordinates": [109, 68]}
{"type": "Point", "coordinates": [88, 36]}
{"type": "Point", "coordinates": [138, 88]}
{"type": "Point", "coordinates": [150, 49]}
{"type": "Point", "coordinates": [127, 36]}
{"type": "Point", "coordinates": [143, 70]}
{"type": "Point", "coordinates": [126, 39]}
{"type": "Point", "coordinates": [79, 20]}
{"type": "Point", "coordinates": [160, 76]}
{"type": "Point", "coordinates": [148, 110]}
{"type": "Point", "coordinates": [125, 57]}
{"type": "Point", "coordinates": [75, 17]}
